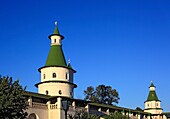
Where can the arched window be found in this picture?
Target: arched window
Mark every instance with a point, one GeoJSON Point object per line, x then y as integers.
{"type": "Point", "coordinates": [54, 75]}
{"type": "Point", "coordinates": [32, 116]}
{"type": "Point", "coordinates": [46, 92]}
{"type": "Point", "coordinates": [60, 92]}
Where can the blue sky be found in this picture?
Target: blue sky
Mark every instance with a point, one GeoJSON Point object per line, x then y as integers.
{"type": "Point", "coordinates": [121, 43]}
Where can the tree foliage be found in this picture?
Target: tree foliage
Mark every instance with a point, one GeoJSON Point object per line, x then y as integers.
{"type": "Point", "coordinates": [13, 103]}
{"type": "Point", "coordinates": [82, 114]}
{"type": "Point", "coordinates": [101, 94]}
{"type": "Point", "coordinates": [116, 115]}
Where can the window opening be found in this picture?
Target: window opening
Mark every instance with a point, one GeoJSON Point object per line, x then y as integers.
{"type": "Point", "coordinates": [60, 92]}
{"type": "Point", "coordinates": [46, 92]}
{"type": "Point", "coordinates": [66, 76]}
{"type": "Point", "coordinates": [54, 75]}
{"type": "Point", "coordinates": [44, 76]}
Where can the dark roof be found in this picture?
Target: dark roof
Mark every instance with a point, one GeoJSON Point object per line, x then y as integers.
{"type": "Point", "coordinates": [152, 85]}
{"type": "Point", "coordinates": [117, 108]}
{"type": "Point", "coordinates": [152, 96]}
{"type": "Point", "coordinates": [38, 95]}
{"type": "Point", "coordinates": [56, 81]}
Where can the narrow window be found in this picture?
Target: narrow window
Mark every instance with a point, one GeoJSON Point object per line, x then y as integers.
{"type": "Point", "coordinates": [54, 40]}
{"type": "Point", "coordinates": [66, 76]}
{"type": "Point", "coordinates": [148, 105]}
{"type": "Point", "coordinates": [54, 75]}
{"type": "Point", "coordinates": [44, 76]}
{"type": "Point", "coordinates": [60, 92]}
{"type": "Point", "coordinates": [46, 92]}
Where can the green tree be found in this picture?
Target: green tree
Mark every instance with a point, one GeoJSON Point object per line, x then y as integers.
{"type": "Point", "coordinates": [13, 103]}
{"type": "Point", "coordinates": [82, 114]}
{"type": "Point", "coordinates": [116, 115]}
{"type": "Point", "coordinates": [101, 94]}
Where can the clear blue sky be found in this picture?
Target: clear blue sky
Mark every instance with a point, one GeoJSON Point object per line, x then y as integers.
{"type": "Point", "coordinates": [121, 43]}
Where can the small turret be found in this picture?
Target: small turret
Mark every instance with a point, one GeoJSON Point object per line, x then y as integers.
{"type": "Point", "coordinates": [152, 104]}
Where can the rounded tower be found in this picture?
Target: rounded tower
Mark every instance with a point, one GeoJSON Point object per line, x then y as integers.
{"type": "Point", "coordinates": [56, 76]}
{"type": "Point", "coordinates": [153, 104]}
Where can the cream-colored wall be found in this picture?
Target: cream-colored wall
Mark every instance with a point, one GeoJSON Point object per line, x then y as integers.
{"type": "Point", "coordinates": [152, 104]}
{"type": "Point", "coordinates": [53, 89]}
{"type": "Point", "coordinates": [41, 113]}
{"type": "Point", "coordinates": [56, 40]}
{"type": "Point", "coordinates": [154, 111]}
{"type": "Point", "coordinates": [60, 74]}
{"type": "Point", "coordinates": [152, 88]}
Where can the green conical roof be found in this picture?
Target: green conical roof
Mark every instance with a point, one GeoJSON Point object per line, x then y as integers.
{"type": "Point", "coordinates": [56, 31]}
{"type": "Point", "coordinates": [152, 85]}
{"type": "Point", "coordinates": [56, 56]}
{"type": "Point", "coordinates": [69, 66]}
{"type": "Point", "coordinates": [152, 94]}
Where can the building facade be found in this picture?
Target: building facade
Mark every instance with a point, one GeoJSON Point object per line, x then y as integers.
{"type": "Point", "coordinates": [57, 86]}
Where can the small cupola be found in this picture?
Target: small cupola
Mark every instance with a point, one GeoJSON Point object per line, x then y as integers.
{"type": "Point", "coordinates": [56, 38]}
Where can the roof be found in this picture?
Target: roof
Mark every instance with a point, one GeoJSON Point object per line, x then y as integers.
{"type": "Point", "coordinates": [152, 94]}
{"type": "Point", "coordinates": [152, 85]}
{"type": "Point", "coordinates": [69, 66]}
{"type": "Point", "coordinates": [38, 95]}
{"type": "Point", "coordinates": [117, 108]}
{"type": "Point", "coordinates": [56, 31]}
{"type": "Point", "coordinates": [56, 56]}
{"type": "Point", "coordinates": [56, 81]}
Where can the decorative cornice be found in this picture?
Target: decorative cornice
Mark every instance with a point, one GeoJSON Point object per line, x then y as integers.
{"type": "Point", "coordinates": [75, 86]}
{"type": "Point", "coordinates": [57, 66]}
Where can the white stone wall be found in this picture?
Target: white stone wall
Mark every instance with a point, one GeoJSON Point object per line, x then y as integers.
{"type": "Point", "coordinates": [56, 40]}
{"type": "Point", "coordinates": [40, 113]}
{"type": "Point", "coordinates": [61, 72]}
{"type": "Point", "coordinates": [56, 89]}
{"type": "Point", "coordinates": [152, 104]}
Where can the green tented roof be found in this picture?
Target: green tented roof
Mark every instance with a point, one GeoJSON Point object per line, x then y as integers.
{"type": "Point", "coordinates": [152, 96]}
{"type": "Point", "coordinates": [56, 56]}
{"type": "Point", "coordinates": [152, 85]}
{"type": "Point", "coordinates": [56, 31]}
{"type": "Point", "coordinates": [69, 66]}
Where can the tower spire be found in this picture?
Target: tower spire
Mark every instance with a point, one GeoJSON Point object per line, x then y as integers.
{"type": "Point", "coordinates": [56, 56]}
{"type": "Point", "coordinates": [56, 31]}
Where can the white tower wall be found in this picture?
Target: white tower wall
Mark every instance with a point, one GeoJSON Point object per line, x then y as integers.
{"type": "Point", "coordinates": [56, 81]}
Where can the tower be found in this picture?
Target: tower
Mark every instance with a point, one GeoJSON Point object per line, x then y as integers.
{"type": "Point", "coordinates": [153, 104]}
{"type": "Point", "coordinates": [56, 76]}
